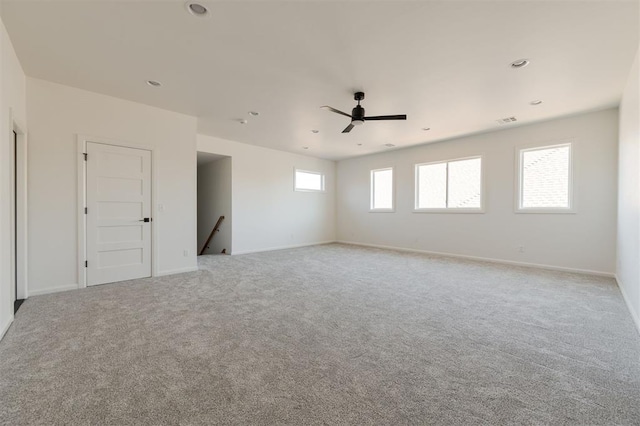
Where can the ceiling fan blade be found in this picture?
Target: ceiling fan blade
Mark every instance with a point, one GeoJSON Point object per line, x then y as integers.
{"type": "Point", "coordinates": [386, 117]}
{"type": "Point", "coordinates": [348, 128]}
{"type": "Point", "coordinates": [328, 108]}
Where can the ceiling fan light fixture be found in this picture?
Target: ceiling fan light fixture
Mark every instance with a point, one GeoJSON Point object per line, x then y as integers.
{"type": "Point", "coordinates": [358, 116]}
{"type": "Point", "coordinates": [536, 102]}
{"type": "Point", "coordinates": [154, 83]}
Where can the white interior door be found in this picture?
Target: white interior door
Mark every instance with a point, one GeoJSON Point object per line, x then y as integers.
{"type": "Point", "coordinates": [118, 203]}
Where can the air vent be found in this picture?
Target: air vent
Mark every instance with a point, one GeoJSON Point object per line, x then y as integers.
{"type": "Point", "coordinates": [389, 145]}
{"type": "Point", "coordinates": [507, 120]}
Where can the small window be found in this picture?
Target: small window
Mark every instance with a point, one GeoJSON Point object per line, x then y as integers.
{"type": "Point", "coordinates": [382, 189]}
{"type": "Point", "coordinates": [545, 179]}
{"type": "Point", "coordinates": [450, 185]}
{"type": "Point", "coordinates": [308, 181]}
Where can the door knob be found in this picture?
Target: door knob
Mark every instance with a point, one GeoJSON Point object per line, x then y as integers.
{"type": "Point", "coordinates": [146, 219]}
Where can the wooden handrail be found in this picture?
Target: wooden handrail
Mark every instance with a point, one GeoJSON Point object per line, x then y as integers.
{"type": "Point", "coordinates": [215, 228]}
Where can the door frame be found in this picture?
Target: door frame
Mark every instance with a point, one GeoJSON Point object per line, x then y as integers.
{"type": "Point", "coordinates": [18, 216]}
{"type": "Point", "coordinates": [82, 202]}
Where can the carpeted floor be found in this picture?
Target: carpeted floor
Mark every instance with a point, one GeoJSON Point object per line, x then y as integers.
{"type": "Point", "coordinates": [331, 334]}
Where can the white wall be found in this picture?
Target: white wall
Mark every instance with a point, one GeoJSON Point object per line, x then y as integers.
{"type": "Point", "coordinates": [585, 240]}
{"type": "Point", "coordinates": [214, 200]}
{"type": "Point", "coordinates": [267, 212]}
{"type": "Point", "coordinates": [628, 264]}
{"type": "Point", "coordinates": [12, 104]}
{"type": "Point", "coordinates": [56, 115]}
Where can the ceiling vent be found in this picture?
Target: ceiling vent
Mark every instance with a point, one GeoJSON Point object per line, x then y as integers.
{"type": "Point", "coordinates": [507, 120]}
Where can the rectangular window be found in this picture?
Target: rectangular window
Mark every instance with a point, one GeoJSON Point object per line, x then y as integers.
{"type": "Point", "coordinates": [545, 179]}
{"type": "Point", "coordinates": [450, 185]}
{"type": "Point", "coordinates": [382, 189]}
{"type": "Point", "coordinates": [308, 181]}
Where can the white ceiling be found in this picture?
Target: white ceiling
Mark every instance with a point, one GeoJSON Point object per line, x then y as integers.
{"type": "Point", "coordinates": [445, 64]}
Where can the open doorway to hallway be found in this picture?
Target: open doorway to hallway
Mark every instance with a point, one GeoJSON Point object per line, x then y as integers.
{"type": "Point", "coordinates": [214, 204]}
{"type": "Point", "coordinates": [18, 217]}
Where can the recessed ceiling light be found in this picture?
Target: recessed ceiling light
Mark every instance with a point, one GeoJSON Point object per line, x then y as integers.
{"type": "Point", "coordinates": [536, 102]}
{"type": "Point", "coordinates": [389, 145]}
{"type": "Point", "coordinates": [426, 129]}
{"type": "Point", "coordinates": [305, 147]}
{"type": "Point", "coordinates": [243, 121]}
{"type": "Point", "coordinates": [196, 9]}
{"type": "Point", "coordinates": [520, 63]}
{"type": "Point", "coordinates": [359, 144]}
{"type": "Point", "coordinates": [315, 131]}
{"type": "Point", "coordinates": [254, 113]}
{"type": "Point", "coordinates": [154, 83]}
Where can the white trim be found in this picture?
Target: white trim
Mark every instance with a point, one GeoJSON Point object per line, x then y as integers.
{"type": "Point", "coordinates": [519, 179]}
{"type": "Point", "coordinates": [295, 180]}
{"type": "Point", "coordinates": [82, 202]}
{"type": "Point", "coordinates": [176, 271]}
{"type": "Point", "coordinates": [372, 209]}
{"type": "Point", "coordinates": [487, 259]}
{"type": "Point", "coordinates": [54, 289]}
{"type": "Point", "coordinates": [319, 243]}
{"type": "Point", "coordinates": [416, 187]}
{"type": "Point", "coordinates": [20, 234]}
{"type": "Point", "coordinates": [450, 210]}
{"type": "Point", "coordinates": [635, 316]}
{"type": "Point", "coordinates": [5, 326]}
{"type": "Point", "coordinates": [81, 247]}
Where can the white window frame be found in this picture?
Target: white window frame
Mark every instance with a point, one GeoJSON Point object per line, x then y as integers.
{"type": "Point", "coordinates": [295, 183]}
{"type": "Point", "coordinates": [372, 191]}
{"type": "Point", "coordinates": [520, 181]}
{"type": "Point", "coordinates": [467, 210]}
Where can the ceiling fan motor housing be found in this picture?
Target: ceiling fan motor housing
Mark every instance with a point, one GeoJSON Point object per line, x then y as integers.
{"type": "Point", "coordinates": [357, 115]}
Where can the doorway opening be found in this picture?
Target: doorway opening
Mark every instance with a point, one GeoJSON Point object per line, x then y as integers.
{"type": "Point", "coordinates": [18, 216]}
{"type": "Point", "coordinates": [214, 204]}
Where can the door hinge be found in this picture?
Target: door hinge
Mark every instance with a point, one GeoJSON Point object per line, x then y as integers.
{"type": "Point", "coordinates": [85, 156]}
{"type": "Point", "coordinates": [86, 264]}
{"type": "Point", "coordinates": [86, 210]}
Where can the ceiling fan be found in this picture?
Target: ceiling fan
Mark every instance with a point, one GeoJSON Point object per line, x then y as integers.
{"type": "Point", "coordinates": [357, 114]}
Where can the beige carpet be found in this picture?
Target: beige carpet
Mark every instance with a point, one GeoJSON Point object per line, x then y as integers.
{"type": "Point", "coordinates": [331, 334]}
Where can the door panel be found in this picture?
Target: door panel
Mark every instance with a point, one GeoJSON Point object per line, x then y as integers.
{"type": "Point", "coordinates": [118, 199]}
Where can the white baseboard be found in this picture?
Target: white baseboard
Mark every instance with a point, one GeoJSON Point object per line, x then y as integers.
{"type": "Point", "coordinates": [53, 290]}
{"type": "Point", "coordinates": [6, 326]}
{"type": "Point", "coordinates": [319, 243]}
{"type": "Point", "coordinates": [487, 259]}
{"type": "Point", "coordinates": [176, 271]}
{"type": "Point", "coordinates": [634, 315]}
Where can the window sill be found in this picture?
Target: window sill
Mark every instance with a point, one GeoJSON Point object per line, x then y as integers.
{"type": "Point", "coordinates": [545, 211]}
{"type": "Point", "coordinates": [382, 210]}
{"type": "Point", "coordinates": [309, 190]}
{"type": "Point", "coordinates": [455, 211]}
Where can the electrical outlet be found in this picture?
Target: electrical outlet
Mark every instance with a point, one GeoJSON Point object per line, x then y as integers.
{"type": "Point", "coordinates": [520, 249]}
{"type": "Point", "coordinates": [186, 253]}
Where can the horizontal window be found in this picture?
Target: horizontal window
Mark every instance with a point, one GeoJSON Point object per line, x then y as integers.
{"type": "Point", "coordinates": [308, 181]}
{"type": "Point", "coordinates": [449, 185]}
